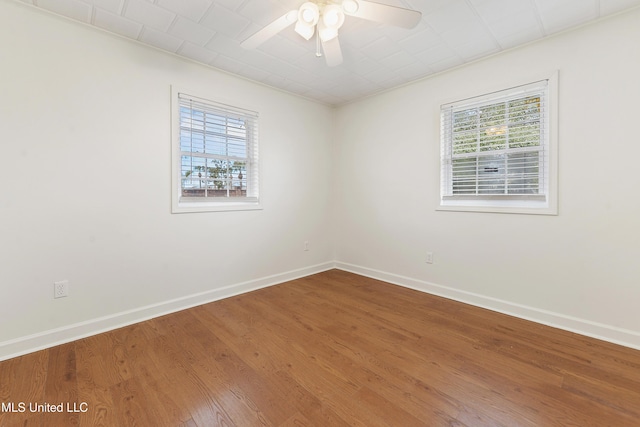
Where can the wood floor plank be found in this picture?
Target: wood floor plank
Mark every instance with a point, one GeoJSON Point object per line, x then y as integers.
{"type": "Point", "coordinates": [174, 356]}
{"type": "Point", "coordinates": [309, 404]}
{"type": "Point", "coordinates": [189, 423]}
{"type": "Point", "coordinates": [386, 411]}
{"type": "Point", "coordinates": [161, 396]}
{"type": "Point", "coordinates": [332, 349]}
{"type": "Point", "coordinates": [133, 409]}
{"type": "Point", "coordinates": [620, 400]}
{"type": "Point", "coordinates": [101, 410]}
{"type": "Point", "coordinates": [61, 386]}
{"type": "Point", "coordinates": [22, 381]}
{"type": "Point", "coordinates": [297, 420]}
{"type": "Point", "coordinates": [193, 394]}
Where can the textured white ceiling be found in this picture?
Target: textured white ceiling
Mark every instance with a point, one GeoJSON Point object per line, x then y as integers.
{"type": "Point", "coordinates": [376, 57]}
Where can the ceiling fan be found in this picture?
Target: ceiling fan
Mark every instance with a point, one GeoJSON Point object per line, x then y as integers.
{"type": "Point", "coordinates": [325, 17]}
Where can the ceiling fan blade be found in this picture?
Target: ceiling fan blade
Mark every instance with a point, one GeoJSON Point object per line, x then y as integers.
{"type": "Point", "coordinates": [270, 30]}
{"type": "Point", "coordinates": [332, 52]}
{"type": "Point", "coordinates": [386, 14]}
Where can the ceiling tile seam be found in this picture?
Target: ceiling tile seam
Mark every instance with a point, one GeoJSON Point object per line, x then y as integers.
{"type": "Point", "coordinates": [538, 15]}
{"type": "Point", "coordinates": [239, 6]}
{"type": "Point", "coordinates": [124, 18]}
{"type": "Point", "coordinates": [442, 42]}
{"type": "Point", "coordinates": [212, 11]}
{"type": "Point", "coordinates": [178, 17]}
{"type": "Point", "coordinates": [142, 32]}
{"type": "Point", "coordinates": [159, 6]}
{"type": "Point", "coordinates": [117, 12]}
{"type": "Point", "coordinates": [125, 6]}
{"type": "Point", "coordinates": [486, 25]}
{"type": "Point", "coordinates": [123, 10]}
{"type": "Point", "coordinates": [206, 13]}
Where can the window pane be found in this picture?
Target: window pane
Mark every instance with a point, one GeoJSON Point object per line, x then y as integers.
{"type": "Point", "coordinates": [524, 135]}
{"type": "Point", "coordinates": [493, 138]}
{"type": "Point", "coordinates": [524, 172]}
{"type": "Point", "coordinates": [239, 178]}
{"type": "Point", "coordinates": [491, 175]}
{"type": "Point", "coordinates": [193, 175]}
{"type": "Point", "coordinates": [196, 142]}
{"type": "Point", "coordinates": [464, 175]}
{"type": "Point", "coordinates": [493, 127]}
{"type": "Point", "coordinates": [524, 109]}
{"type": "Point", "coordinates": [465, 131]}
{"type": "Point", "coordinates": [217, 171]}
{"type": "Point", "coordinates": [215, 123]}
{"type": "Point", "coordinates": [216, 144]}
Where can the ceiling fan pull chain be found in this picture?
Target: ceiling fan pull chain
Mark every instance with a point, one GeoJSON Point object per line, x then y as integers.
{"type": "Point", "coordinates": [318, 53]}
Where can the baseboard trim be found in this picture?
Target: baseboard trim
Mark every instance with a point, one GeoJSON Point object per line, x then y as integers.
{"type": "Point", "coordinates": [596, 330]}
{"type": "Point", "coordinates": [46, 339]}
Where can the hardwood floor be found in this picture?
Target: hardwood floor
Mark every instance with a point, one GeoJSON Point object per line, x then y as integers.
{"type": "Point", "coordinates": [331, 349]}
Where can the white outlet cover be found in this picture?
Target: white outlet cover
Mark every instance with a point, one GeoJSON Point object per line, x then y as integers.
{"type": "Point", "coordinates": [61, 289]}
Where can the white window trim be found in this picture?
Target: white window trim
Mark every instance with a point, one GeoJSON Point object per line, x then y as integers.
{"type": "Point", "coordinates": [182, 206]}
{"type": "Point", "coordinates": [521, 205]}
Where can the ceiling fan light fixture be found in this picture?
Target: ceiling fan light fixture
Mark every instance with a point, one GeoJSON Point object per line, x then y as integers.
{"type": "Point", "coordinates": [332, 16]}
{"type": "Point", "coordinates": [350, 6]}
{"type": "Point", "coordinates": [305, 30]}
{"type": "Point", "coordinates": [326, 33]}
{"type": "Point", "coordinates": [309, 13]}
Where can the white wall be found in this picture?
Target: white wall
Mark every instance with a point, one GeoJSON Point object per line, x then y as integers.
{"type": "Point", "coordinates": [85, 185]}
{"type": "Point", "coordinates": [578, 270]}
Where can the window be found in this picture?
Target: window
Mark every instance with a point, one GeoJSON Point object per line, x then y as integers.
{"type": "Point", "coordinates": [497, 151]}
{"type": "Point", "coordinates": [215, 161]}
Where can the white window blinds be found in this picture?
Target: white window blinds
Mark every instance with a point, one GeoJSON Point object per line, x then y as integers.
{"type": "Point", "coordinates": [496, 146]}
{"type": "Point", "coordinates": [218, 147]}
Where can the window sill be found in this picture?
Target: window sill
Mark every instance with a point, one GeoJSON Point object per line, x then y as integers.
{"type": "Point", "coordinates": [226, 206]}
{"type": "Point", "coordinates": [529, 207]}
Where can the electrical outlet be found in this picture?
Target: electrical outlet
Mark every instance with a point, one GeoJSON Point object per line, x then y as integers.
{"type": "Point", "coordinates": [61, 289]}
{"type": "Point", "coordinates": [429, 258]}
{"type": "Point", "coordinates": [306, 245]}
